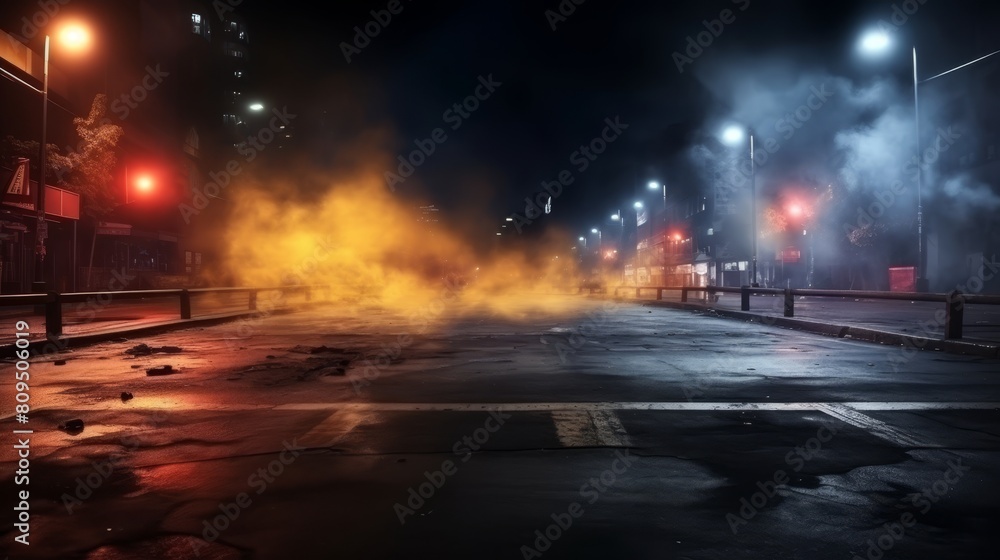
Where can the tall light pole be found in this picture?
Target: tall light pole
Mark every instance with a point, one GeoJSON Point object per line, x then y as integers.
{"type": "Point", "coordinates": [653, 185]}
{"type": "Point", "coordinates": [877, 42]}
{"type": "Point", "coordinates": [734, 135]}
{"type": "Point", "coordinates": [75, 36]}
{"type": "Point", "coordinates": [600, 241]}
{"type": "Point", "coordinates": [41, 228]}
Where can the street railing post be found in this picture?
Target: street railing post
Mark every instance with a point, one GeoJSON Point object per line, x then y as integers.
{"type": "Point", "coordinates": [253, 300]}
{"type": "Point", "coordinates": [53, 315]}
{"type": "Point", "coordinates": [954, 315]}
{"type": "Point", "coordinates": [684, 295]}
{"type": "Point", "coordinates": [185, 304]}
{"type": "Point", "coordinates": [745, 298]}
{"type": "Point", "coordinates": [789, 303]}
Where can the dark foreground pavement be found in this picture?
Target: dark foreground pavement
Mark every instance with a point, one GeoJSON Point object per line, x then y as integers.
{"type": "Point", "coordinates": [616, 431]}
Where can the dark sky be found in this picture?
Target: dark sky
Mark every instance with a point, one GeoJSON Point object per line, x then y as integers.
{"type": "Point", "coordinates": [606, 59]}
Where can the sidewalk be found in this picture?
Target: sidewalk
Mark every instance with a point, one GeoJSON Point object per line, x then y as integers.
{"type": "Point", "coordinates": [903, 323]}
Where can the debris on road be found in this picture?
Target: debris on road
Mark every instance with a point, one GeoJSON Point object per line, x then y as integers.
{"type": "Point", "coordinates": [73, 426]}
{"type": "Point", "coordinates": [126, 396]}
{"type": "Point", "coordinates": [59, 363]}
{"type": "Point", "coordinates": [146, 350]}
{"type": "Point", "coordinates": [165, 370]}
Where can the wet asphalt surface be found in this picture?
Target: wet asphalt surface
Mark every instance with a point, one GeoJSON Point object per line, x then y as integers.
{"type": "Point", "coordinates": [617, 430]}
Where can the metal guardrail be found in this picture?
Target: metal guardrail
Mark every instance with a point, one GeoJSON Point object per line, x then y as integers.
{"type": "Point", "coordinates": [53, 301]}
{"type": "Point", "coordinates": [954, 301]}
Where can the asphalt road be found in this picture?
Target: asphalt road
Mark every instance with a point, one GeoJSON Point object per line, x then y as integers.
{"type": "Point", "coordinates": [611, 431]}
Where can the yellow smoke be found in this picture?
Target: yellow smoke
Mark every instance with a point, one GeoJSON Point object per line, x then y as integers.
{"type": "Point", "coordinates": [369, 246]}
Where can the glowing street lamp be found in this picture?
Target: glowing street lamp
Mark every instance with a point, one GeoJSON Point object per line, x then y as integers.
{"type": "Point", "coordinates": [653, 185]}
{"type": "Point", "coordinates": [734, 135]}
{"type": "Point", "coordinates": [877, 43]}
{"type": "Point", "coordinates": [75, 36]}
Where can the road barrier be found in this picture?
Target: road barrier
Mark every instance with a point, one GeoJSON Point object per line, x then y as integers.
{"type": "Point", "coordinates": [53, 301]}
{"type": "Point", "coordinates": [954, 301]}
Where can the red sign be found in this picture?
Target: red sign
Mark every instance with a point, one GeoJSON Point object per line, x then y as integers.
{"type": "Point", "coordinates": [790, 255]}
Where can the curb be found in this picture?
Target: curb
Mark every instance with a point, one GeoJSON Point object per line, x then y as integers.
{"type": "Point", "coordinates": [64, 343]}
{"type": "Point", "coordinates": [863, 334]}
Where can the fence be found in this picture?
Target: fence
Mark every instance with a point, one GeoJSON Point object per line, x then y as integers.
{"type": "Point", "coordinates": [954, 301]}
{"type": "Point", "coordinates": [52, 302]}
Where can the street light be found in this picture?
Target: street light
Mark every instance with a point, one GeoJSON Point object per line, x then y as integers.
{"type": "Point", "coordinates": [653, 185]}
{"type": "Point", "coordinates": [74, 36]}
{"type": "Point", "coordinates": [732, 136]}
{"type": "Point", "coordinates": [600, 241]}
{"type": "Point", "coordinates": [876, 42]}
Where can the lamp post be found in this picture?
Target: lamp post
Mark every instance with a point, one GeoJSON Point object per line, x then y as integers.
{"type": "Point", "coordinates": [877, 42]}
{"type": "Point", "coordinates": [76, 36]}
{"type": "Point", "coordinates": [653, 185]}
{"type": "Point", "coordinates": [600, 241]}
{"type": "Point", "coordinates": [734, 135]}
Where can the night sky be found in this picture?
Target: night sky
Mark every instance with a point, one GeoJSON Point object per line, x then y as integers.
{"type": "Point", "coordinates": [564, 68]}
{"type": "Point", "coordinates": [605, 59]}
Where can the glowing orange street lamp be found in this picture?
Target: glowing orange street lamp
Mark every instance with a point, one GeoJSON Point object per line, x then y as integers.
{"type": "Point", "coordinates": [75, 36]}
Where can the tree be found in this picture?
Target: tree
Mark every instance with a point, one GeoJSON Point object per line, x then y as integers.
{"type": "Point", "coordinates": [56, 164]}
{"type": "Point", "coordinates": [92, 167]}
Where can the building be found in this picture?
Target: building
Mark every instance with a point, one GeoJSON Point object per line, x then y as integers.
{"type": "Point", "coordinates": [178, 78]}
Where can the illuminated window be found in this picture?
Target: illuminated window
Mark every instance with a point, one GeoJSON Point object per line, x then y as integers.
{"type": "Point", "coordinates": [196, 26]}
{"type": "Point", "coordinates": [238, 73]}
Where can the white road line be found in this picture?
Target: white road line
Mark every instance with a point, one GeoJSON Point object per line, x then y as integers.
{"type": "Point", "coordinates": [871, 425]}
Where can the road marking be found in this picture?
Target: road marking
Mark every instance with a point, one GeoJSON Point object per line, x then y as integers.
{"type": "Point", "coordinates": [875, 427]}
{"type": "Point", "coordinates": [333, 429]}
{"type": "Point", "coordinates": [588, 428]}
{"type": "Point", "coordinates": [573, 428]}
